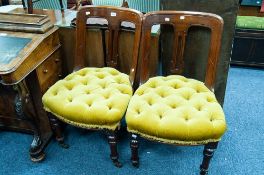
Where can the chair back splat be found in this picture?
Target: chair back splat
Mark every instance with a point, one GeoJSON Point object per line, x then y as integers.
{"type": "Point", "coordinates": [114, 16]}
{"type": "Point", "coordinates": [181, 22]}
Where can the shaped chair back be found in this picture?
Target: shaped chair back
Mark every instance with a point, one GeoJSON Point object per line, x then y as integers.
{"type": "Point", "coordinates": [181, 22]}
{"type": "Point", "coordinates": [114, 16]}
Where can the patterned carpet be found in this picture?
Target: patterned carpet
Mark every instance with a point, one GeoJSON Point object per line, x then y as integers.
{"type": "Point", "coordinates": [240, 152]}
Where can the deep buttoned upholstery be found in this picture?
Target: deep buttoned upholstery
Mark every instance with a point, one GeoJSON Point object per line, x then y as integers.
{"type": "Point", "coordinates": [176, 109]}
{"type": "Point", "coordinates": [90, 98]}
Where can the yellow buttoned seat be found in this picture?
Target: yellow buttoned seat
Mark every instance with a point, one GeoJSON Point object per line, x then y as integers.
{"type": "Point", "coordinates": [177, 110]}
{"type": "Point", "coordinates": [90, 98]}
{"type": "Point", "coordinates": [97, 98]}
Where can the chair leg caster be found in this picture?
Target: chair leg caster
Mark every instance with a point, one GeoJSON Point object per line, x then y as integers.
{"type": "Point", "coordinates": [203, 171]}
{"type": "Point", "coordinates": [135, 164]}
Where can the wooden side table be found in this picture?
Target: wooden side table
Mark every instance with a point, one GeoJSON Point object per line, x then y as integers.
{"type": "Point", "coordinates": [27, 68]}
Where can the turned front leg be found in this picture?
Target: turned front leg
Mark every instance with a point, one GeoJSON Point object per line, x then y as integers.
{"type": "Point", "coordinates": [56, 127]}
{"type": "Point", "coordinates": [112, 140]}
{"type": "Point", "coordinates": [207, 156]}
{"type": "Point", "coordinates": [134, 150]}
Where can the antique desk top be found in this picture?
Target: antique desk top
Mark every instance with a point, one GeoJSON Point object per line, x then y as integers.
{"type": "Point", "coordinates": [18, 54]}
{"type": "Point", "coordinates": [18, 51]}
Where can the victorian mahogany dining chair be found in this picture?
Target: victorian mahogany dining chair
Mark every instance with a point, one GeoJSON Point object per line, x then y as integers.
{"type": "Point", "coordinates": [91, 97]}
{"type": "Point", "coordinates": [174, 109]}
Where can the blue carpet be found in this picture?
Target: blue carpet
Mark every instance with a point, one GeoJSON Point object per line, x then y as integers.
{"type": "Point", "coordinates": [240, 152]}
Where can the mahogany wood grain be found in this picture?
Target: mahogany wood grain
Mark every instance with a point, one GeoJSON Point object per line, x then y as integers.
{"type": "Point", "coordinates": [49, 71]}
{"type": "Point", "coordinates": [25, 81]}
{"type": "Point", "coordinates": [114, 16]}
{"type": "Point", "coordinates": [41, 121]}
{"type": "Point", "coordinates": [39, 49]}
{"type": "Point", "coordinates": [250, 11]}
{"type": "Point", "coordinates": [94, 50]}
{"type": "Point", "coordinates": [16, 110]}
{"type": "Point", "coordinates": [181, 22]}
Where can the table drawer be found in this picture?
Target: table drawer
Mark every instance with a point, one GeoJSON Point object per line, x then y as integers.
{"type": "Point", "coordinates": [49, 72]}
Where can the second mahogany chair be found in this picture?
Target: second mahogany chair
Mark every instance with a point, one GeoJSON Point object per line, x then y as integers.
{"type": "Point", "coordinates": [91, 97]}
{"type": "Point", "coordinates": [175, 109]}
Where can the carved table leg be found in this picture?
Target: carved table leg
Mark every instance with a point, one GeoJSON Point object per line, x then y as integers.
{"type": "Point", "coordinates": [207, 155]}
{"type": "Point", "coordinates": [36, 151]}
{"type": "Point", "coordinates": [43, 132]}
{"type": "Point", "coordinates": [112, 140]}
{"type": "Point", "coordinates": [134, 150]}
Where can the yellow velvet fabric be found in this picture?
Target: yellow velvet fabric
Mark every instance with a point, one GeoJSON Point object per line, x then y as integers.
{"type": "Point", "coordinates": [90, 98]}
{"type": "Point", "coordinates": [177, 110]}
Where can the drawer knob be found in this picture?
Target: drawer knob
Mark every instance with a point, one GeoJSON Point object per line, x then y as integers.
{"type": "Point", "coordinates": [59, 75]}
{"type": "Point", "coordinates": [57, 60]}
{"type": "Point", "coordinates": [45, 71]}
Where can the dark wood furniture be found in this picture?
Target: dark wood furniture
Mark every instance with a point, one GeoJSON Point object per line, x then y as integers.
{"type": "Point", "coordinates": [250, 11]}
{"type": "Point", "coordinates": [194, 56]}
{"type": "Point", "coordinates": [4, 2]}
{"type": "Point", "coordinates": [115, 16]}
{"type": "Point", "coordinates": [30, 5]}
{"type": "Point", "coordinates": [95, 50]}
{"type": "Point", "coordinates": [75, 4]}
{"type": "Point", "coordinates": [248, 43]}
{"type": "Point", "coordinates": [71, 3]}
{"type": "Point", "coordinates": [248, 48]}
{"type": "Point", "coordinates": [24, 78]}
{"type": "Point", "coordinates": [181, 22]}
